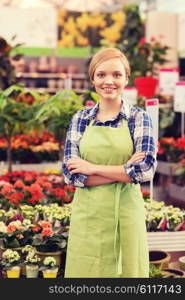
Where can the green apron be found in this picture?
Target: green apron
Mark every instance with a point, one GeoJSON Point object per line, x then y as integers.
{"type": "Point", "coordinates": [107, 236]}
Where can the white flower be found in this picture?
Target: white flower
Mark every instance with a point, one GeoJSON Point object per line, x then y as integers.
{"type": "Point", "coordinates": [32, 257]}
{"type": "Point", "coordinates": [49, 261]}
{"type": "Point", "coordinates": [28, 248]}
{"type": "Point", "coordinates": [11, 256]}
{"type": "Point", "coordinates": [26, 222]}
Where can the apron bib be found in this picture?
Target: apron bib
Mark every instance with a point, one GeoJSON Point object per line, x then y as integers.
{"type": "Point", "coordinates": [107, 235]}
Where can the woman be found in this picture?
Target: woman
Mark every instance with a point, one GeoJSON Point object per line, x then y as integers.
{"type": "Point", "coordinates": [109, 150]}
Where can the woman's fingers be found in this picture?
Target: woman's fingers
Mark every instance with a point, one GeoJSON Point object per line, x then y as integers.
{"type": "Point", "coordinates": [137, 157]}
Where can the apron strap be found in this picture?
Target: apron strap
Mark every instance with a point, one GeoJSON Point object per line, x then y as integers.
{"type": "Point", "coordinates": [117, 242]}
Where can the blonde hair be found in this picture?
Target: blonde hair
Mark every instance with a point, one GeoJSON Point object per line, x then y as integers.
{"type": "Point", "coordinates": [106, 54]}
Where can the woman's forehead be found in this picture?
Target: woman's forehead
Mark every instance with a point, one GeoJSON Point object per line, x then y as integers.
{"type": "Point", "coordinates": [113, 64]}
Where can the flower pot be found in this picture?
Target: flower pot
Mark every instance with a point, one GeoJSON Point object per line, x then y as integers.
{"type": "Point", "coordinates": [50, 273]}
{"type": "Point", "coordinates": [172, 272]}
{"type": "Point", "coordinates": [182, 263]}
{"type": "Point", "coordinates": [146, 86]}
{"type": "Point", "coordinates": [159, 258]}
{"type": "Point", "coordinates": [32, 271]}
{"type": "Point", "coordinates": [56, 255]}
{"type": "Point", "coordinates": [14, 272]}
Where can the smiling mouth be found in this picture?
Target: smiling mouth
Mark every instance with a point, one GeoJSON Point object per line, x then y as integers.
{"type": "Point", "coordinates": [109, 90]}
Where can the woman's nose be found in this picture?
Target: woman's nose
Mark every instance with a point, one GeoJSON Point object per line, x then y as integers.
{"type": "Point", "coordinates": [108, 79]}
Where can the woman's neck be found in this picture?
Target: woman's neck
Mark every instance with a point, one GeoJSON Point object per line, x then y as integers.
{"type": "Point", "coordinates": [109, 107]}
{"type": "Point", "coordinates": [108, 110]}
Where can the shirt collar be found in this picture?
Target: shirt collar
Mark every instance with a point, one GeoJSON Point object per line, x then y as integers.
{"type": "Point", "coordinates": [124, 111]}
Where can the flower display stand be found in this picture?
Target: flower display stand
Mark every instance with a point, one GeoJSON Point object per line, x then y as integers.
{"type": "Point", "coordinates": [33, 167]}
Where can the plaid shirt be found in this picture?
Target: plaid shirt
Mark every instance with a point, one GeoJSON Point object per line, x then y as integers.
{"type": "Point", "coordinates": [140, 127]}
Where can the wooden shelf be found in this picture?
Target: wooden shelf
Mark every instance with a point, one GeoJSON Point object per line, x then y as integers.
{"type": "Point", "coordinates": [166, 241]}
{"type": "Point", "coordinates": [51, 75]}
{"type": "Point", "coordinates": [55, 90]}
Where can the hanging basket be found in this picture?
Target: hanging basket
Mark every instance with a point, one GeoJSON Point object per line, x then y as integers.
{"type": "Point", "coordinates": [146, 86]}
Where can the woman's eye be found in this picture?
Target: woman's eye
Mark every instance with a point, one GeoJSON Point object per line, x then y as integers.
{"type": "Point", "coordinates": [100, 75]}
{"type": "Point", "coordinates": [117, 75]}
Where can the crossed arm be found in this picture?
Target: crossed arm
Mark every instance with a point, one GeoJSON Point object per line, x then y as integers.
{"type": "Point", "coordinates": [102, 174]}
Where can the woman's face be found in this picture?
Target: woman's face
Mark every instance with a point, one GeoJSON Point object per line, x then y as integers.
{"type": "Point", "coordinates": [110, 79]}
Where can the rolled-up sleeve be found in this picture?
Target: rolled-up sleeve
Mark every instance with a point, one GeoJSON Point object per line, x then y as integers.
{"type": "Point", "coordinates": [71, 150]}
{"type": "Point", "coordinates": [143, 141]}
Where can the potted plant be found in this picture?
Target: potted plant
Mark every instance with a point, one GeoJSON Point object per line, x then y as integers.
{"type": "Point", "coordinates": [144, 56]}
{"type": "Point", "coordinates": [32, 264]}
{"type": "Point", "coordinates": [49, 267]}
{"type": "Point", "coordinates": [15, 235]}
{"type": "Point", "coordinates": [11, 262]}
{"type": "Point", "coordinates": [14, 115]}
{"type": "Point", "coordinates": [49, 241]}
{"type": "Point", "coordinates": [149, 56]}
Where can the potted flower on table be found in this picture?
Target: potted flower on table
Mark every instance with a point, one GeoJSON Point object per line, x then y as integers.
{"type": "Point", "coordinates": [11, 262]}
{"type": "Point", "coordinates": [32, 264]}
{"type": "Point", "coordinates": [49, 240]}
{"type": "Point", "coordinates": [49, 267]}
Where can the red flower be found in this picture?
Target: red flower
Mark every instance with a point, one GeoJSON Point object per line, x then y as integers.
{"type": "Point", "coordinates": [69, 188]}
{"type": "Point", "coordinates": [142, 41]}
{"type": "Point", "coordinates": [19, 184]}
{"type": "Point", "coordinates": [45, 224]}
{"type": "Point", "coordinates": [46, 232]}
{"type": "Point", "coordinates": [11, 228]}
{"type": "Point", "coordinates": [35, 228]}
{"type": "Point", "coordinates": [16, 198]}
{"type": "Point", "coordinates": [7, 189]}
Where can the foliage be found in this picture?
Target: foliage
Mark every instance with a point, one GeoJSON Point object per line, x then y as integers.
{"type": "Point", "coordinates": [56, 114]}
{"type": "Point", "coordinates": [90, 96]}
{"type": "Point", "coordinates": [154, 271]}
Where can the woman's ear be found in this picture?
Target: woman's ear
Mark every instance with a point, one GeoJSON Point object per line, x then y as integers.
{"type": "Point", "coordinates": [92, 83]}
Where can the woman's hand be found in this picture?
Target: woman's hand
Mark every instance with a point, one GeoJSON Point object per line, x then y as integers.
{"type": "Point", "coordinates": [78, 165]}
{"type": "Point", "coordinates": [136, 158]}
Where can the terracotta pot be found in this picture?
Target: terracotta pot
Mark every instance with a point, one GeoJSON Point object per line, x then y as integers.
{"type": "Point", "coordinates": [176, 272]}
{"type": "Point", "coordinates": [159, 258]}
{"type": "Point", "coordinates": [56, 255]}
